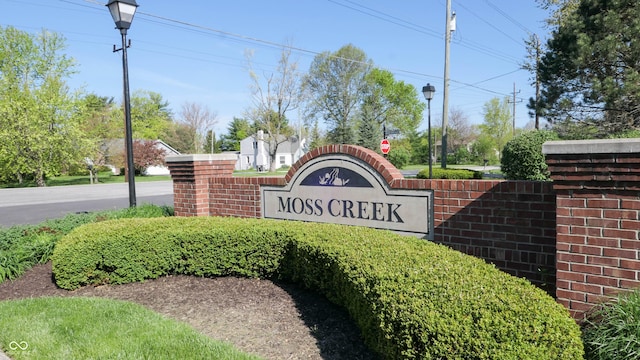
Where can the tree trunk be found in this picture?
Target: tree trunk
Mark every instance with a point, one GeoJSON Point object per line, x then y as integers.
{"type": "Point", "coordinates": [272, 164]}
{"type": "Point", "coordinates": [39, 177]}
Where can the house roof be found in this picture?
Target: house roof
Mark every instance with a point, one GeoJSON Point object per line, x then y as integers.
{"type": "Point", "coordinates": [115, 145]}
{"type": "Point", "coordinates": [286, 145]}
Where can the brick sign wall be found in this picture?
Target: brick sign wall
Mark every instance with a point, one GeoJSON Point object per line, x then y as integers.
{"type": "Point", "coordinates": [508, 223]}
{"type": "Point", "coordinates": [588, 218]}
{"type": "Point", "coordinates": [598, 219]}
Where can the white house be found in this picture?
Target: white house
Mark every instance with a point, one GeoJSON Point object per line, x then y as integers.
{"type": "Point", "coordinates": [114, 148]}
{"type": "Point", "coordinates": [254, 152]}
{"type": "Point", "coordinates": [161, 169]}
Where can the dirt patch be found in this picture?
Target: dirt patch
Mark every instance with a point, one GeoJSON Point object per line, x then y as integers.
{"type": "Point", "coordinates": [275, 321]}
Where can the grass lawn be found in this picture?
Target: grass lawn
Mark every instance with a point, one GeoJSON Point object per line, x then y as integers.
{"type": "Point", "coordinates": [96, 328]}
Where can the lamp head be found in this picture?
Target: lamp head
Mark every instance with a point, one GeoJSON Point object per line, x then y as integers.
{"type": "Point", "coordinates": [122, 12]}
{"type": "Point", "coordinates": [428, 91]}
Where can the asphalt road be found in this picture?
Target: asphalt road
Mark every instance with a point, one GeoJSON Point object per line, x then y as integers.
{"type": "Point", "coordinates": [34, 205]}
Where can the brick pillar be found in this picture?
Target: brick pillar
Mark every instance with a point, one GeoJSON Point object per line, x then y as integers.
{"type": "Point", "coordinates": [597, 185]}
{"type": "Point", "coordinates": [190, 175]}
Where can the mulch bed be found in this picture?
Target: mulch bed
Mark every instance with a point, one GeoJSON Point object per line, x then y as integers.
{"type": "Point", "coordinates": [275, 321]}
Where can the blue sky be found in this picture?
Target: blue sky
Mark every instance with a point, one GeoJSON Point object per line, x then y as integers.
{"type": "Point", "coordinates": [194, 50]}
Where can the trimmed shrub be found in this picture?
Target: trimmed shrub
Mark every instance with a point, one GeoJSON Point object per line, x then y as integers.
{"type": "Point", "coordinates": [399, 157]}
{"type": "Point", "coordinates": [612, 330]}
{"type": "Point", "coordinates": [23, 246]}
{"type": "Point", "coordinates": [522, 157]}
{"type": "Point", "coordinates": [452, 174]}
{"type": "Point", "coordinates": [411, 298]}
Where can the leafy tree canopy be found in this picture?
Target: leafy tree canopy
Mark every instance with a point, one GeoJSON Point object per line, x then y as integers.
{"type": "Point", "coordinates": [591, 70]}
{"type": "Point", "coordinates": [40, 120]}
{"type": "Point", "coordinates": [497, 124]}
{"type": "Point", "coordinates": [394, 102]}
{"type": "Point", "coordinates": [335, 84]}
{"type": "Point", "coordinates": [150, 115]}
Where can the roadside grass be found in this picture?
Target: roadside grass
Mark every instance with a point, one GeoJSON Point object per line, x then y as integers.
{"type": "Point", "coordinates": [96, 328]}
{"type": "Point", "coordinates": [103, 178]}
{"type": "Point", "coordinates": [23, 246]}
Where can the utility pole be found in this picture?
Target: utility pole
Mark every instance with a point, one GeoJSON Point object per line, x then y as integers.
{"type": "Point", "coordinates": [514, 107]}
{"type": "Point", "coordinates": [450, 28]}
{"type": "Point", "coordinates": [536, 111]}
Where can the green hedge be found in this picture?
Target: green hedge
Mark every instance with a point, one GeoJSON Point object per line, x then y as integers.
{"type": "Point", "coordinates": [411, 298]}
{"type": "Point", "coordinates": [522, 157]}
{"type": "Point", "coordinates": [452, 174]}
{"type": "Point", "coordinates": [23, 246]}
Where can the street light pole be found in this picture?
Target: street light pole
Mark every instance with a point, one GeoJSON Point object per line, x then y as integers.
{"type": "Point", "coordinates": [122, 12]}
{"type": "Point", "coordinates": [428, 92]}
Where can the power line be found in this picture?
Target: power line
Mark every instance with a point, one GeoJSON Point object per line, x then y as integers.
{"type": "Point", "coordinates": [519, 42]}
{"type": "Point", "coordinates": [388, 18]}
{"type": "Point", "coordinates": [421, 29]}
{"type": "Point", "coordinates": [188, 26]}
{"type": "Point", "coordinates": [508, 17]}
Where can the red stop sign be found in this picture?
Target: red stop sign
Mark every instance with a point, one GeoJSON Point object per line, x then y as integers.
{"type": "Point", "coordinates": [385, 146]}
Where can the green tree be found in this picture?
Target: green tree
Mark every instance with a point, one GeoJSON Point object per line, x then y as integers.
{"type": "Point", "coordinates": [335, 84]}
{"type": "Point", "coordinates": [369, 131]}
{"type": "Point", "coordinates": [180, 136]}
{"type": "Point", "coordinates": [99, 126]}
{"type": "Point", "coordinates": [40, 125]}
{"type": "Point", "coordinates": [560, 10]}
{"type": "Point", "coordinates": [484, 150]}
{"type": "Point", "coordinates": [316, 138]}
{"type": "Point", "coordinates": [151, 117]}
{"type": "Point", "coordinates": [590, 73]}
{"type": "Point", "coordinates": [211, 143]}
{"type": "Point", "coordinates": [392, 102]}
{"type": "Point", "coordinates": [497, 123]}
{"type": "Point", "coordinates": [237, 130]}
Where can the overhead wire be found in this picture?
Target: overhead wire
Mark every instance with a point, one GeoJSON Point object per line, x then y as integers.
{"type": "Point", "coordinates": [508, 17]}
{"type": "Point", "coordinates": [188, 26]}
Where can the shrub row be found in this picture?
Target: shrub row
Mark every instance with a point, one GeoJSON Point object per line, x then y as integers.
{"type": "Point", "coordinates": [412, 299]}
{"type": "Point", "coordinates": [453, 174]}
{"type": "Point", "coordinates": [23, 246]}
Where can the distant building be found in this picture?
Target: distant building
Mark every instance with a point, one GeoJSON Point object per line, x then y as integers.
{"type": "Point", "coordinates": [254, 152]}
{"type": "Point", "coordinates": [113, 149]}
{"type": "Point", "coordinates": [161, 169]}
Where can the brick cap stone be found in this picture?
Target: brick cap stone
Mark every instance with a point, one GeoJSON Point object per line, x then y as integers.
{"type": "Point", "coordinates": [605, 146]}
{"type": "Point", "coordinates": [200, 157]}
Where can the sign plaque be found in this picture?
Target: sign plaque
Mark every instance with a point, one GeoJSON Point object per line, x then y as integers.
{"type": "Point", "coordinates": [339, 188]}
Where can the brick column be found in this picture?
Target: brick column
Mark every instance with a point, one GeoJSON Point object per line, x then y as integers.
{"type": "Point", "coordinates": [597, 185]}
{"type": "Point", "coordinates": [191, 174]}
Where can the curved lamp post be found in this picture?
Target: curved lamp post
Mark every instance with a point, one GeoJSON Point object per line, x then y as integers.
{"type": "Point", "coordinates": [428, 92]}
{"type": "Point", "coordinates": [122, 12]}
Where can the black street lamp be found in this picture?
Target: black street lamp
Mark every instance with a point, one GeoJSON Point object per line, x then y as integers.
{"type": "Point", "coordinates": [428, 92]}
{"type": "Point", "coordinates": [122, 12]}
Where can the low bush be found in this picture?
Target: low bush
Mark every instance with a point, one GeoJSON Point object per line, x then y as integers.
{"type": "Point", "coordinates": [23, 246]}
{"type": "Point", "coordinates": [453, 174]}
{"type": "Point", "coordinates": [399, 157]}
{"type": "Point", "coordinates": [522, 157]}
{"type": "Point", "coordinates": [411, 298]}
{"type": "Point", "coordinates": [612, 330]}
